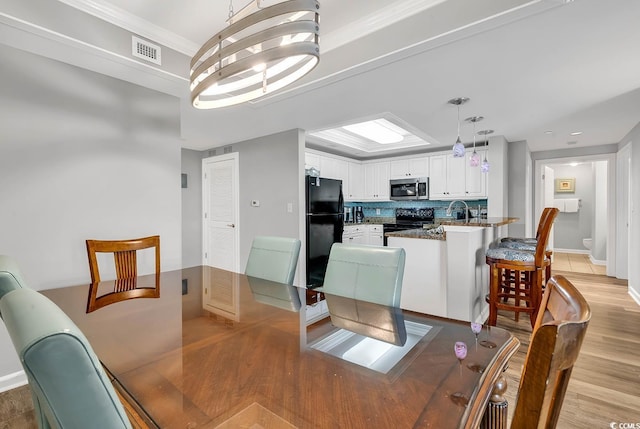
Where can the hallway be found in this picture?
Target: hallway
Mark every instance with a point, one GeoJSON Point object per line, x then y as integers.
{"type": "Point", "coordinates": [576, 263]}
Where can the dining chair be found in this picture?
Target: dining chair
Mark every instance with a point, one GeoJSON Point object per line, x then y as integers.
{"type": "Point", "coordinates": [125, 259]}
{"type": "Point", "coordinates": [273, 258]}
{"type": "Point", "coordinates": [10, 277]}
{"type": "Point", "coordinates": [366, 274]}
{"type": "Point", "coordinates": [555, 344]}
{"type": "Point", "coordinates": [69, 387]}
{"type": "Point", "coordinates": [516, 276]}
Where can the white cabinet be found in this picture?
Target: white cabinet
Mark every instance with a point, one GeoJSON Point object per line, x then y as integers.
{"type": "Point", "coordinates": [311, 160]}
{"type": "Point", "coordinates": [355, 184]}
{"type": "Point", "coordinates": [453, 178]}
{"type": "Point", "coordinates": [333, 168]}
{"type": "Point", "coordinates": [475, 179]}
{"type": "Point", "coordinates": [363, 233]}
{"type": "Point", "coordinates": [355, 234]}
{"type": "Point", "coordinates": [376, 181]}
{"type": "Point", "coordinates": [412, 167]}
{"type": "Point", "coordinates": [375, 235]}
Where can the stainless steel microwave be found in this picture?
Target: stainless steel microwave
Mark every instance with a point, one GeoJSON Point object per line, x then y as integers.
{"type": "Point", "coordinates": [416, 188]}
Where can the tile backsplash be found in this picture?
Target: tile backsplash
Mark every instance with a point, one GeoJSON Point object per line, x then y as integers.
{"type": "Point", "coordinates": [387, 208]}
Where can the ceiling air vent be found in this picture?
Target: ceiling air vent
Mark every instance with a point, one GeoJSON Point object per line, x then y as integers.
{"type": "Point", "coordinates": [146, 50]}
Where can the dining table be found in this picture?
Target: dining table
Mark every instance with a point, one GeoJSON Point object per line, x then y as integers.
{"type": "Point", "coordinates": [203, 347]}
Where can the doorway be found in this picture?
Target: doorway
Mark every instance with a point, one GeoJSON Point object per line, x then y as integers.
{"type": "Point", "coordinates": [592, 182]}
{"type": "Point", "coordinates": [220, 212]}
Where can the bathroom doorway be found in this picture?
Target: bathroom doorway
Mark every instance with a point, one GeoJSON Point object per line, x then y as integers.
{"type": "Point", "coordinates": [583, 188]}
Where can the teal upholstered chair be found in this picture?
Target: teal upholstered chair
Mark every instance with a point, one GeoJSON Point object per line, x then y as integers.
{"type": "Point", "coordinates": [273, 258]}
{"type": "Point", "coordinates": [10, 277]}
{"type": "Point", "coordinates": [70, 389]}
{"type": "Point", "coordinates": [362, 286]}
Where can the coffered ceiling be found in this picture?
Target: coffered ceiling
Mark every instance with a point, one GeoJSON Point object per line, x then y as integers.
{"type": "Point", "coordinates": [536, 70]}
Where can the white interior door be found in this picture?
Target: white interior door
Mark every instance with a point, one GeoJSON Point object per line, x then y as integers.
{"type": "Point", "coordinates": [549, 193]}
{"type": "Point", "coordinates": [220, 191]}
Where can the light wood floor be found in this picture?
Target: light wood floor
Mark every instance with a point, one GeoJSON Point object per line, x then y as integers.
{"type": "Point", "coordinates": [577, 263]}
{"type": "Point", "coordinates": [605, 383]}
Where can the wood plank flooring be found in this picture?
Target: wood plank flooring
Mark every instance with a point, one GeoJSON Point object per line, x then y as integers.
{"type": "Point", "coordinates": [605, 383]}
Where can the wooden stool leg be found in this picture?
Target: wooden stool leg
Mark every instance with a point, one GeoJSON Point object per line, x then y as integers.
{"type": "Point", "coordinates": [494, 284]}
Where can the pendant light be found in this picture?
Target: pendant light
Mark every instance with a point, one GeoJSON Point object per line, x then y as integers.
{"type": "Point", "coordinates": [484, 167]}
{"type": "Point", "coordinates": [458, 147]}
{"type": "Point", "coordinates": [474, 160]}
{"type": "Point", "coordinates": [262, 49]}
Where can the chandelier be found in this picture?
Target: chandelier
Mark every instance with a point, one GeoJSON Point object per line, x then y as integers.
{"type": "Point", "coordinates": [260, 51]}
{"type": "Point", "coordinates": [458, 147]}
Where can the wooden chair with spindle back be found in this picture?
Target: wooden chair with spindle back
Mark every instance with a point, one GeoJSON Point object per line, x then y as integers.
{"type": "Point", "coordinates": [555, 343]}
{"type": "Point", "coordinates": [125, 259]}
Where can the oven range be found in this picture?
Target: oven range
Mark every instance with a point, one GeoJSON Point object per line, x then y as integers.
{"type": "Point", "coordinates": [409, 219]}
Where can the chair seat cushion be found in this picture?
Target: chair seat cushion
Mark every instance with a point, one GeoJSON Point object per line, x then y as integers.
{"type": "Point", "coordinates": [510, 254]}
{"type": "Point", "coordinates": [529, 240]}
{"type": "Point", "coordinates": [518, 245]}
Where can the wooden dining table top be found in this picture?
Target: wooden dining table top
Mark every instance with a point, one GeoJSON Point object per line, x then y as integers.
{"type": "Point", "coordinates": [206, 351]}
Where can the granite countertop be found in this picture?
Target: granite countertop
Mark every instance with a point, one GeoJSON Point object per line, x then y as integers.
{"type": "Point", "coordinates": [428, 233]}
{"type": "Point", "coordinates": [475, 221]}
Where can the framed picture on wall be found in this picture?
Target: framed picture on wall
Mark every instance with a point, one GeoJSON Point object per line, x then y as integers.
{"type": "Point", "coordinates": [566, 185]}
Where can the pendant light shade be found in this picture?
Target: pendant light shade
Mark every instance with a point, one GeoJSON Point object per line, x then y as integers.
{"type": "Point", "coordinates": [484, 167]}
{"type": "Point", "coordinates": [474, 159]}
{"type": "Point", "coordinates": [262, 50]}
{"type": "Point", "coordinates": [458, 147]}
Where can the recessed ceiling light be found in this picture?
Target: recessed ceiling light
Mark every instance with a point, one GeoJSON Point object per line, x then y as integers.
{"type": "Point", "coordinates": [549, 132]}
{"type": "Point", "coordinates": [576, 133]}
{"type": "Point", "coordinates": [377, 134]}
{"type": "Point", "coordinates": [379, 130]}
{"type": "Point", "coordinates": [574, 164]}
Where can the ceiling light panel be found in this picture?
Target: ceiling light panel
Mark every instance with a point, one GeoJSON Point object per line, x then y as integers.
{"type": "Point", "coordinates": [382, 133]}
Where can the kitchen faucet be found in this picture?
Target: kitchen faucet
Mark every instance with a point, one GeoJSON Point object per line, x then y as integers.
{"type": "Point", "coordinates": [466, 209]}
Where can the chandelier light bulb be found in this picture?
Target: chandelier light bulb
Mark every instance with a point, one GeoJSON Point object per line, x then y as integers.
{"type": "Point", "coordinates": [474, 161]}
{"type": "Point", "coordinates": [458, 147]}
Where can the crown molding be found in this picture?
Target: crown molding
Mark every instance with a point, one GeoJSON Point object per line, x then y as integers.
{"type": "Point", "coordinates": [135, 24]}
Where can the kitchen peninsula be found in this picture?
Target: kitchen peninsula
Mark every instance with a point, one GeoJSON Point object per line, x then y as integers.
{"type": "Point", "coordinates": [445, 270]}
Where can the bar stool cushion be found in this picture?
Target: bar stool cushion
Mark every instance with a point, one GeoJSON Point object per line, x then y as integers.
{"type": "Point", "coordinates": [518, 245]}
{"type": "Point", "coordinates": [507, 254]}
{"type": "Point", "coordinates": [527, 240]}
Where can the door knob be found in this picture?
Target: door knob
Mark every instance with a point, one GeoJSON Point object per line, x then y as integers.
{"type": "Point", "coordinates": [231, 225]}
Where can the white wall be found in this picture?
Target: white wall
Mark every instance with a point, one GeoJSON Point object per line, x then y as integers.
{"type": "Point", "coordinates": [82, 156]}
{"type": "Point", "coordinates": [600, 221]}
{"type": "Point", "coordinates": [634, 224]}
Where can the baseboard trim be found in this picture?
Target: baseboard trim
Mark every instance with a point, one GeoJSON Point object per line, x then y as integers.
{"type": "Point", "coordinates": [575, 251]}
{"type": "Point", "coordinates": [596, 261]}
{"type": "Point", "coordinates": [11, 381]}
{"type": "Point", "coordinates": [634, 295]}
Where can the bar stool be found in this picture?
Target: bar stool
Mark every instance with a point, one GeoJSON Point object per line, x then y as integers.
{"type": "Point", "coordinates": [516, 276]}
{"type": "Point", "coordinates": [529, 244]}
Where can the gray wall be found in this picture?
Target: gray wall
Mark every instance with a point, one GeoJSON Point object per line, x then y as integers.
{"type": "Point", "coordinates": [270, 173]}
{"type": "Point", "coordinates": [571, 228]}
{"type": "Point", "coordinates": [192, 208]}
{"type": "Point", "coordinates": [518, 156]}
{"type": "Point", "coordinates": [82, 156]}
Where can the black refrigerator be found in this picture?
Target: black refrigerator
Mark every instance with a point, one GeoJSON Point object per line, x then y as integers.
{"type": "Point", "coordinates": [325, 223]}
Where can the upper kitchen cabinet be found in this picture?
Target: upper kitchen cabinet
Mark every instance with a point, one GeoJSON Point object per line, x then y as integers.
{"type": "Point", "coordinates": [412, 167]}
{"type": "Point", "coordinates": [376, 181]}
{"type": "Point", "coordinates": [312, 160]}
{"type": "Point", "coordinates": [475, 179]}
{"type": "Point", "coordinates": [333, 168]}
{"type": "Point", "coordinates": [355, 185]}
{"type": "Point", "coordinates": [453, 178]}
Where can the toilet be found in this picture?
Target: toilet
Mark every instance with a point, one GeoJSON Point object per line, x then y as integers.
{"type": "Point", "coordinates": [587, 242]}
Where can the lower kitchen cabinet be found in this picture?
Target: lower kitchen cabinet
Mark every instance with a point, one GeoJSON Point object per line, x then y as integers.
{"type": "Point", "coordinates": [363, 234]}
